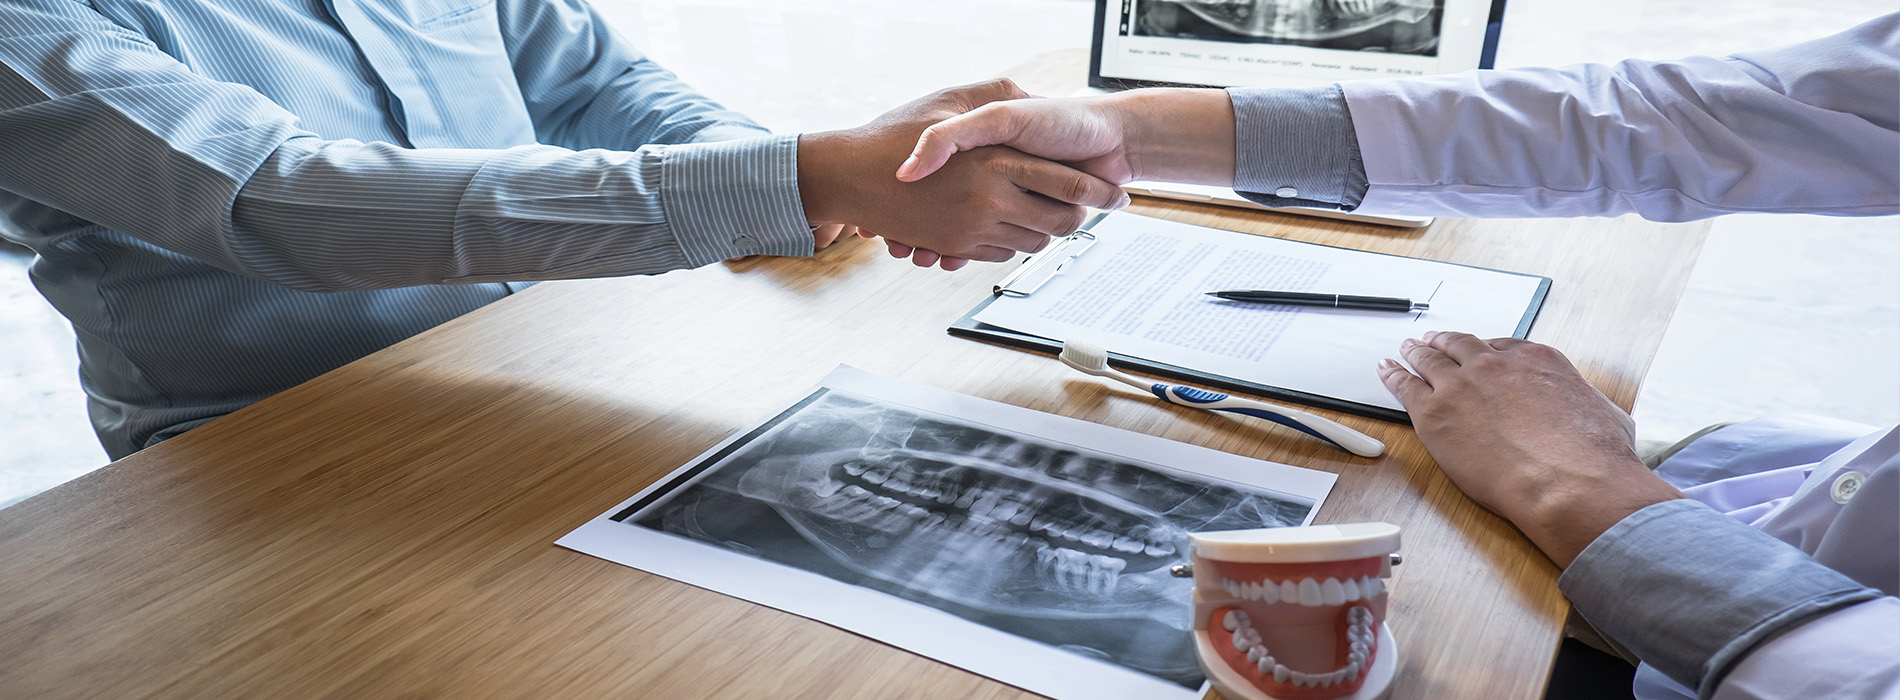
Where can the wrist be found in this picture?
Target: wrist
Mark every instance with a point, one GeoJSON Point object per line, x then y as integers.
{"type": "Point", "coordinates": [1564, 517]}
{"type": "Point", "coordinates": [1178, 134]}
{"type": "Point", "coordinates": [825, 188]}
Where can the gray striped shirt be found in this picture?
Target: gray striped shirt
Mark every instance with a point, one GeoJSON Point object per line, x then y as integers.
{"type": "Point", "coordinates": [229, 197]}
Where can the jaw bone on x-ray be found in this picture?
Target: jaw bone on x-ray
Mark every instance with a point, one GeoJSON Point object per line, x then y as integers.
{"type": "Point", "coordinates": [1041, 540]}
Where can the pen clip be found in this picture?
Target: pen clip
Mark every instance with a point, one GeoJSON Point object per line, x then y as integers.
{"type": "Point", "coordinates": [1038, 269]}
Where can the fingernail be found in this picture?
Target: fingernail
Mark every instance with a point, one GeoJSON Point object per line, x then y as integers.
{"type": "Point", "coordinates": [1121, 203]}
{"type": "Point", "coordinates": [1431, 336]}
{"type": "Point", "coordinates": [1387, 363]}
{"type": "Point", "coordinates": [904, 170]}
{"type": "Point", "coordinates": [1409, 343]}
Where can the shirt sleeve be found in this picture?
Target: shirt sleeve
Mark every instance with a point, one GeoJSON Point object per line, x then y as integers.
{"type": "Point", "coordinates": [1295, 147]}
{"type": "Point", "coordinates": [1713, 589]}
{"type": "Point", "coordinates": [98, 122]}
{"type": "Point", "coordinates": [1808, 128]}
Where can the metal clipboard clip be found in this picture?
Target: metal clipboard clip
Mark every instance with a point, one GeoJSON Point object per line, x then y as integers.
{"type": "Point", "coordinates": [1038, 269]}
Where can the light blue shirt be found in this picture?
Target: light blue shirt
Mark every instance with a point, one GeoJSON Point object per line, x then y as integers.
{"type": "Point", "coordinates": [229, 197]}
{"type": "Point", "coordinates": [1771, 581]}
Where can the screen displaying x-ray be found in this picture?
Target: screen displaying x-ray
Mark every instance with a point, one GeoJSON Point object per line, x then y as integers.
{"type": "Point", "coordinates": [1046, 541]}
{"type": "Point", "coordinates": [1396, 26]}
{"type": "Point", "coordinates": [1279, 43]}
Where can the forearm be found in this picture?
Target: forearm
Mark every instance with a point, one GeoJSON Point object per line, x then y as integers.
{"type": "Point", "coordinates": [1562, 508]}
{"type": "Point", "coordinates": [1178, 135]}
{"type": "Point", "coordinates": [1281, 147]}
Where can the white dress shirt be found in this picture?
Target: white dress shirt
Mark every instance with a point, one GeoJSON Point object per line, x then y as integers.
{"type": "Point", "coordinates": [1777, 579]}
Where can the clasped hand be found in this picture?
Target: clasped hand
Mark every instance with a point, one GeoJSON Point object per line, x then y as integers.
{"type": "Point", "coordinates": [986, 204]}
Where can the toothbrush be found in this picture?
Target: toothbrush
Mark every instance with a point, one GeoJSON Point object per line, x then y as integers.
{"type": "Point", "coordinates": [1092, 359]}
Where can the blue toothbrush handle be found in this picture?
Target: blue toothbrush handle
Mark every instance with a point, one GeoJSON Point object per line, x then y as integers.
{"type": "Point", "coordinates": [1323, 428]}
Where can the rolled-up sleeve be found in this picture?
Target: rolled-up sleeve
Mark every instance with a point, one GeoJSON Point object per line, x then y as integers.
{"type": "Point", "coordinates": [1295, 147]}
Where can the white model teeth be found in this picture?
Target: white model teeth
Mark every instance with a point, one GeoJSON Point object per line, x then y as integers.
{"type": "Point", "coordinates": [1309, 593]}
{"type": "Point", "coordinates": [1306, 591]}
{"type": "Point", "coordinates": [1233, 620]}
{"type": "Point", "coordinates": [1247, 640]}
{"type": "Point", "coordinates": [1331, 593]}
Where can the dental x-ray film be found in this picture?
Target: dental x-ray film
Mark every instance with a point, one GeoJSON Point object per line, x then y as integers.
{"type": "Point", "coordinates": [1028, 547]}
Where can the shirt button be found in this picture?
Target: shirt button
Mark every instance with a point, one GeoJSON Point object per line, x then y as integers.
{"type": "Point", "coordinates": [1846, 485]}
{"type": "Point", "coordinates": [745, 245]}
{"type": "Point", "coordinates": [1286, 193]}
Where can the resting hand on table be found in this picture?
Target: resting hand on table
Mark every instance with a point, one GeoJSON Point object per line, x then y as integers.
{"type": "Point", "coordinates": [1515, 426]}
{"type": "Point", "coordinates": [986, 205]}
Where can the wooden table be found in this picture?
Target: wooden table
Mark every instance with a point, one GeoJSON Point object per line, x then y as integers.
{"type": "Point", "coordinates": [386, 530]}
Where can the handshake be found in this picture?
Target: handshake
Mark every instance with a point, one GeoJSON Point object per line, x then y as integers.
{"type": "Point", "coordinates": [982, 171]}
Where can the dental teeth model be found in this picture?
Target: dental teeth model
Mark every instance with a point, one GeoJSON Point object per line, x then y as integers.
{"type": "Point", "coordinates": [1295, 613]}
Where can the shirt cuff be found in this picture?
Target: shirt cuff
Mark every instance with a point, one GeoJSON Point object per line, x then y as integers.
{"type": "Point", "coordinates": [1294, 147]}
{"type": "Point", "coordinates": [1691, 590]}
{"type": "Point", "coordinates": [734, 198]}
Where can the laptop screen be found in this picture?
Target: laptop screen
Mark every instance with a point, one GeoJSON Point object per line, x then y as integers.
{"type": "Point", "coordinates": [1273, 43]}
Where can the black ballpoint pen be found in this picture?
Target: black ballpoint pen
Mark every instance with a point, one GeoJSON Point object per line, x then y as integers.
{"type": "Point", "coordinates": [1338, 301]}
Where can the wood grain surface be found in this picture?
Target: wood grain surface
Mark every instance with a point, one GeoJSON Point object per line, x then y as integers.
{"type": "Point", "coordinates": [386, 530]}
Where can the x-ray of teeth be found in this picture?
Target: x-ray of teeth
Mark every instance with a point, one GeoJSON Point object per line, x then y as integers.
{"type": "Point", "coordinates": [1394, 26]}
{"type": "Point", "coordinates": [1045, 541]}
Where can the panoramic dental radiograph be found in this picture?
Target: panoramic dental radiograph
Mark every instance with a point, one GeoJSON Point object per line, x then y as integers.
{"type": "Point", "coordinates": [1043, 540]}
{"type": "Point", "coordinates": [1397, 26]}
{"type": "Point", "coordinates": [1295, 613]}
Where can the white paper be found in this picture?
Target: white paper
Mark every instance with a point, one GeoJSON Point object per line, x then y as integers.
{"type": "Point", "coordinates": [751, 519]}
{"type": "Point", "coordinates": [1139, 291]}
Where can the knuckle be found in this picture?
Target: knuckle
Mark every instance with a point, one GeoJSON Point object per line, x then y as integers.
{"type": "Point", "coordinates": [1542, 352]}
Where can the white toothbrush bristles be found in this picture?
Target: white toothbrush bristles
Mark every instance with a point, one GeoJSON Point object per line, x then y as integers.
{"type": "Point", "coordinates": [1087, 357]}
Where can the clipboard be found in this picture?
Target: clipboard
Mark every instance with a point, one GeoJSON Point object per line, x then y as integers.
{"type": "Point", "coordinates": [1037, 270]}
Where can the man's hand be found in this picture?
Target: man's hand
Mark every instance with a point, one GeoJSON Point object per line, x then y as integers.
{"type": "Point", "coordinates": [1516, 427]}
{"type": "Point", "coordinates": [1174, 135]}
{"type": "Point", "coordinates": [986, 205]}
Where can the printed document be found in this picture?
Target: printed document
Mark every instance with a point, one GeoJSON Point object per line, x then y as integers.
{"type": "Point", "coordinates": [1139, 291]}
